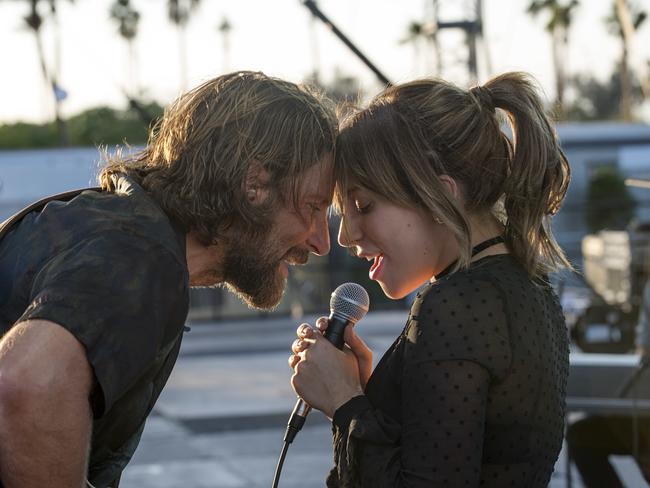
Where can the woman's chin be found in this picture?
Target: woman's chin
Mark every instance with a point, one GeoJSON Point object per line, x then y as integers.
{"type": "Point", "coordinates": [394, 293]}
{"type": "Point", "coordinates": [397, 291]}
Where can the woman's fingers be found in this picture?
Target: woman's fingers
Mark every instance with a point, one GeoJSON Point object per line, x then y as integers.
{"type": "Point", "coordinates": [299, 345]}
{"type": "Point", "coordinates": [304, 330]}
{"type": "Point", "coordinates": [306, 337]}
{"type": "Point", "coordinates": [354, 342]}
{"type": "Point", "coordinates": [322, 323]}
{"type": "Point", "coordinates": [293, 360]}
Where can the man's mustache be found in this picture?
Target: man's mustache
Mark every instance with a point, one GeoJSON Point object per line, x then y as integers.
{"type": "Point", "coordinates": [296, 255]}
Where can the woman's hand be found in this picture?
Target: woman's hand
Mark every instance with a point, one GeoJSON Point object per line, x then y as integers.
{"type": "Point", "coordinates": [324, 377]}
{"type": "Point", "coordinates": [357, 346]}
{"type": "Point", "coordinates": [352, 341]}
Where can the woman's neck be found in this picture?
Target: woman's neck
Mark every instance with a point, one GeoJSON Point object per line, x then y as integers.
{"type": "Point", "coordinates": [483, 227]}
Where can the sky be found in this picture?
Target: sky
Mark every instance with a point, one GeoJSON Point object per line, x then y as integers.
{"type": "Point", "coordinates": [280, 38]}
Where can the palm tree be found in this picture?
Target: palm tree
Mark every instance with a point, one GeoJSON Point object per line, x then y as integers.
{"type": "Point", "coordinates": [127, 19]}
{"type": "Point", "coordinates": [558, 26]}
{"type": "Point", "coordinates": [425, 33]}
{"type": "Point", "coordinates": [33, 21]}
{"type": "Point", "coordinates": [179, 12]}
{"type": "Point", "coordinates": [224, 29]}
{"type": "Point", "coordinates": [420, 34]}
{"type": "Point", "coordinates": [414, 36]}
{"type": "Point", "coordinates": [623, 22]}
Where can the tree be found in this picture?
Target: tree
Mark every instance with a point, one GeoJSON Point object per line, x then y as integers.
{"type": "Point", "coordinates": [598, 100]}
{"type": "Point", "coordinates": [342, 89]}
{"type": "Point", "coordinates": [224, 29]}
{"type": "Point", "coordinates": [34, 20]}
{"type": "Point", "coordinates": [609, 202]}
{"type": "Point", "coordinates": [558, 26]}
{"type": "Point", "coordinates": [416, 35]}
{"type": "Point", "coordinates": [623, 20]}
{"type": "Point", "coordinates": [127, 19]}
{"type": "Point", "coordinates": [98, 125]}
{"type": "Point", "coordinates": [179, 12]}
{"type": "Point", "coordinates": [425, 33]}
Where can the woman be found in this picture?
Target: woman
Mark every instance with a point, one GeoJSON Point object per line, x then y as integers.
{"type": "Point", "coordinates": [472, 391]}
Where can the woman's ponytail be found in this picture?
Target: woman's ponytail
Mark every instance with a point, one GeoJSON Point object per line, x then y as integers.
{"type": "Point", "coordinates": [537, 177]}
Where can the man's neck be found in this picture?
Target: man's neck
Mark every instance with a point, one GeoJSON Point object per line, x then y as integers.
{"type": "Point", "coordinates": [203, 262]}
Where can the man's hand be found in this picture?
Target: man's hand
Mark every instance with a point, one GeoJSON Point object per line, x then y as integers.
{"type": "Point", "coordinates": [45, 415]}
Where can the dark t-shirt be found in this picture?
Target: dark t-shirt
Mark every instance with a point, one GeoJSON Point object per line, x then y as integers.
{"type": "Point", "coordinates": [111, 269]}
{"type": "Point", "coordinates": [472, 392]}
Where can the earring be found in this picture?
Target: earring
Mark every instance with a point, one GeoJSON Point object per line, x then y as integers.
{"type": "Point", "coordinates": [437, 220]}
{"type": "Point", "coordinates": [251, 194]}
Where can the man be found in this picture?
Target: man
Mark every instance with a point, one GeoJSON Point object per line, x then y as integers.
{"type": "Point", "coordinates": [94, 291]}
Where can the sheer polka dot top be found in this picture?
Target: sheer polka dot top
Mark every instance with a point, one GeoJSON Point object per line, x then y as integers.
{"type": "Point", "coordinates": [470, 394]}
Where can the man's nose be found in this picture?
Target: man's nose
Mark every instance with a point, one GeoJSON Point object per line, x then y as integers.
{"type": "Point", "coordinates": [319, 239]}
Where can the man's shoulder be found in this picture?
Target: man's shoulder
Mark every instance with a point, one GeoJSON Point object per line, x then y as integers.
{"type": "Point", "coordinates": [118, 216]}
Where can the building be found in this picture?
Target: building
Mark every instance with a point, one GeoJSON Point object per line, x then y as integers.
{"type": "Point", "coordinates": [588, 147]}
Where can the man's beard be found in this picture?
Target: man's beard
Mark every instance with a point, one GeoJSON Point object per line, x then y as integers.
{"type": "Point", "coordinates": [251, 269]}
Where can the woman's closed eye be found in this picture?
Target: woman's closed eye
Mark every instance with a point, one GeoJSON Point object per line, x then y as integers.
{"type": "Point", "coordinates": [362, 206]}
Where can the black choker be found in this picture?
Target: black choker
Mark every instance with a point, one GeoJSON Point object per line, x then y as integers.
{"type": "Point", "coordinates": [481, 246]}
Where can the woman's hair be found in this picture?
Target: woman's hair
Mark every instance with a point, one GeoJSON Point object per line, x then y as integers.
{"type": "Point", "coordinates": [411, 134]}
{"type": "Point", "coordinates": [197, 160]}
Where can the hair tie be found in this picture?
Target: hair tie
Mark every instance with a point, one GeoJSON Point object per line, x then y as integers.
{"type": "Point", "coordinates": [483, 95]}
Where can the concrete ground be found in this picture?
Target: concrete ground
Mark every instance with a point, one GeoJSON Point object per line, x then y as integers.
{"type": "Point", "coordinates": [219, 422]}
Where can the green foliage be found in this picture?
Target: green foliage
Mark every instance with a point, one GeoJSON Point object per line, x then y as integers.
{"type": "Point", "coordinates": [613, 22]}
{"type": "Point", "coordinates": [99, 125]}
{"type": "Point", "coordinates": [599, 100]}
{"type": "Point", "coordinates": [126, 17]}
{"type": "Point", "coordinates": [609, 202]}
{"type": "Point", "coordinates": [559, 12]}
{"type": "Point", "coordinates": [23, 135]}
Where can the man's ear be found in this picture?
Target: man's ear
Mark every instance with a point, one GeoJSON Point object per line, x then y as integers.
{"type": "Point", "coordinates": [256, 187]}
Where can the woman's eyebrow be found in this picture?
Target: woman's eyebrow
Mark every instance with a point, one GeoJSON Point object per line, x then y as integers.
{"type": "Point", "coordinates": [319, 198]}
{"type": "Point", "coordinates": [353, 189]}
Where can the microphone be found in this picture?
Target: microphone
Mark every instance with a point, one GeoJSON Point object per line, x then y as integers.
{"type": "Point", "coordinates": [349, 304]}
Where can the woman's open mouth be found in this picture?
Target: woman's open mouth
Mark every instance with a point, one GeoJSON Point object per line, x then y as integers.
{"type": "Point", "coordinates": [376, 267]}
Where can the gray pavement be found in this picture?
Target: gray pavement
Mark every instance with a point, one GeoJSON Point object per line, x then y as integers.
{"type": "Point", "coordinates": [220, 420]}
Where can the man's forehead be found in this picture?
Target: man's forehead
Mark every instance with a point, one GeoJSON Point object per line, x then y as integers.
{"type": "Point", "coordinates": [317, 182]}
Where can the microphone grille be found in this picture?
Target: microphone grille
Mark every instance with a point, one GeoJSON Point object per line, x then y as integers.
{"type": "Point", "coordinates": [351, 301]}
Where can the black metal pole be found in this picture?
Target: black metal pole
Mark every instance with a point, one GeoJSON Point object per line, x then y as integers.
{"type": "Point", "coordinates": [316, 12]}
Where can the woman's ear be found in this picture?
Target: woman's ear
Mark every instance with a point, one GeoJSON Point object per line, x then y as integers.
{"type": "Point", "coordinates": [256, 187]}
{"type": "Point", "coordinates": [450, 184]}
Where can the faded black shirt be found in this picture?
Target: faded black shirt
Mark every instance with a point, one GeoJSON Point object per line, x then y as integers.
{"type": "Point", "coordinates": [111, 269]}
{"type": "Point", "coordinates": [472, 392]}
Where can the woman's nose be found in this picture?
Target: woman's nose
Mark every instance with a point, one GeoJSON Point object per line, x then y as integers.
{"type": "Point", "coordinates": [349, 231]}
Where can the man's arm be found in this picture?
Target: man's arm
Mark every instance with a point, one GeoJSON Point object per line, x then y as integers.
{"type": "Point", "coordinates": [45, 415]}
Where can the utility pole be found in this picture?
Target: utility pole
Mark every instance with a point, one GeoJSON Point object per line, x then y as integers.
{"type": "Point", "coordinates": [471, 25]}
{"type": "Point", "coordinates": [473, 28]}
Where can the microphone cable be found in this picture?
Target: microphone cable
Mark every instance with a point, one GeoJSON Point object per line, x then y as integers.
{"type": "Point", "coordinates": [349, 304]}
{"type": "Point", "coordinates": [296, 421]}
{"type": "Point", "coordinates": [278, 468]}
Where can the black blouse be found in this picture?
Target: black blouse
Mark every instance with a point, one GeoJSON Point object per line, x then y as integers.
{"type": "Point", "coordinates": [472, 392]}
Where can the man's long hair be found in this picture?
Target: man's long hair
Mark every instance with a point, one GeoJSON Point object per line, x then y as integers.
{"type": "Point", "coordinates": [198, 157]}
